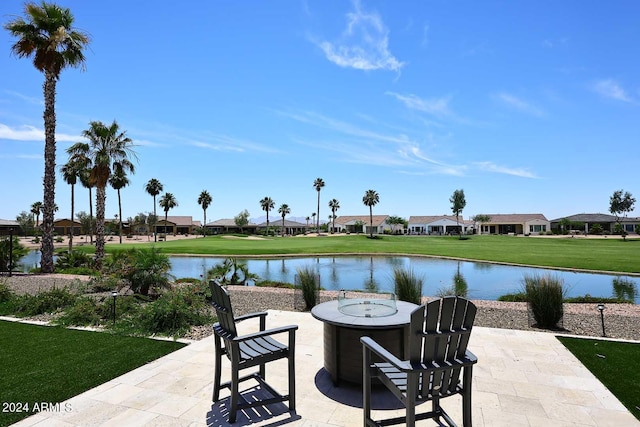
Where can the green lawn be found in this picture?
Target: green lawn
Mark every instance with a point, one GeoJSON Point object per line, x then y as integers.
{"type": "Point", "coordinates": [615, 364]}
{"type": "Point", "coordinates": [588, 254]}
{"type": "Point", "coordinates": [49, 364]}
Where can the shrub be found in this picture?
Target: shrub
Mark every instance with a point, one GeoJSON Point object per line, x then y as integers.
{"type": "Point", "coordinates": [174, 312]}
{"type": "Point", "coordinates": [45, 302]}
{"type": "Point", "coordinates": [517, 297]}
{"type": "Point", "coordinates": [274, 284]}
{"type": "Point", "coordinates": [141, 269]}
{"type": "Point", "coordinates": [84, 312]}
{"type": "Point", "coordinates": [6, 294]}
{"type": "Point", "coordinates": [13, 248]}
{"type": "Point", "coordinates": [75, 259]}
{"type": "Point", "coordinates": [408, 286]}
{"type": "Point", "coordinates": [545, 296]}
{"type": "Point", "coordinates": [309, 283]}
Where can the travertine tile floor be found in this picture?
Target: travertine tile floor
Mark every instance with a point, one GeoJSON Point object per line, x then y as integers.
{"type": "Point", "coordinates": [521, 379]}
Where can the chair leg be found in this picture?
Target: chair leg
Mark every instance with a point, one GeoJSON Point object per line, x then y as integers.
{"type": "Point", "coordinates": [217, 371]}
{"type": "Point", "coordinates": [412, 390]}
{"type": "Point", "coordinates": [366, 385]}
{"type": "Point", "coordinates": [234, 398]}
{"type": "Point", "coordinates": [292, 382]}
{"type": "Point", "coordinates": [466, 396]}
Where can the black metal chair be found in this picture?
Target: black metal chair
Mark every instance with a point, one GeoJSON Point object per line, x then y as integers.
{"type": "Point", "coordinates": [255, 349]}
{"type": "Point", "coordinates": [437, 354]}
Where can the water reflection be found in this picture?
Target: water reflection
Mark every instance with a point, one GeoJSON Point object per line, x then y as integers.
{"type": "Point", "coordinates": [624, 289]}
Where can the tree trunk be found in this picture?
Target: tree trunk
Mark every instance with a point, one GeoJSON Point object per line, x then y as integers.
{"type": "Point", "coordinates": [90, 217]}
{"type": "Point", "coordinates": [49, 181]}
{"type": "Point", "coordinates": [72, 209]}
{"type": "Point", "coordinates": [101, 198]}
{"type": "Point", "coordinates": [120, 213]}
{"type": "Point", "coordinates": [371, 221]}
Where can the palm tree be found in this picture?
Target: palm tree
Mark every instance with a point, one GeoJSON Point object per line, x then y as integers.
{"type": "Point", "coordinates": [334, 204]}
{"type": "Point", "coordinates": [204, 200]}
{"type": "Point", "coordinates": [318, 184]}
{"type": "Point", "coordinates": [371, 199]}
{"type": "Point", "coordinates": [36, 209]}
{"type": "Point", "coordinates": [118, 181]}
{"type": "Point", "coordinates": [85, 173]}
{"type": "Point", "coordinates": [307, 219]}
{"type": "Point", "coordinates": [313, 218]}
{"type": "Point", "coordinates": [47, 35]}
{"type": "Point", "coordinates": [167, 202]}
{"type": "Point", "coordinates": [71, 173]}
{"type": "Point", "coordinates": [267, 204]}
{"type": "Point", "coordinates": [284, 210]}
{"type": "Point", "coordinates": [153, 188]}
{"type": "Point", "coordinates": [109, 151]}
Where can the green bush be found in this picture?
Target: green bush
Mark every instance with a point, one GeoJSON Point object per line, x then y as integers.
{"type": "Point", "coordinates": [274, 284]}
{"type": "Point", "coordinates": [74, 259]}
{"type": "Point", "coordinates": [85, 312]}
{"type": "Point", "coordinates": [6, 294]}
{"type": "Point", "coordinates": [174, 312]}
{"type": "Point", "coordinates": [408, 286]}
{"type": "Point", "coordinates": [545, 296]}
{"type": "Point", "coordinates": [308, 281]}
{"type": "Point", "coordinates": [142, 270]}
{"type": "Point", "coordinates": [45, 302]}
{"type": "Point", "coordinates": [517, 297]}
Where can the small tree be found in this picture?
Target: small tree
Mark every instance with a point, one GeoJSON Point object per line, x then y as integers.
{"type": "Point", "coordinates": [242, 219]}
{"type": "Point", "coordinates": [25, 220]}
{"type": "Point", "coordinates": [458, 203]}
{"type": "Point", "coordinates": [620, 205]}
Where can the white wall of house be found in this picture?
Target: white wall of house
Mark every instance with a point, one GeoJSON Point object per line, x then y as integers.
{"type": "Point", "coordinates": [536, 227]}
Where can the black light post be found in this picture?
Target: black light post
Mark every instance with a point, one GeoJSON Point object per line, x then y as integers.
{"type": "Point", "coordinates": [114, 294]}
{"type": "Point", "coordinates": [601, 309]}
{"type": "Point", "coordinates": [10, 250]}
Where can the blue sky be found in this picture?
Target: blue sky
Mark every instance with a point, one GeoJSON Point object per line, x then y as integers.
{"type": "Point", "coordinates": [529, 106]}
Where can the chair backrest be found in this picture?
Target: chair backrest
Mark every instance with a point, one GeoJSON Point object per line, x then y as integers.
{"type": "Point", "coordinates": [440, 332]}
{"type": "Point", "coordinates": [222, 304]}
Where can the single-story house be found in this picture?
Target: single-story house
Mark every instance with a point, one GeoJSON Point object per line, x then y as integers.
{"type": "Point", "coordinates": [361, 224]}
{"type": "Point", "coordinates": [439, 225]}
{"type": "Point", "coordinates": [8, 227]}
{"type": "Point", "coordinates": [228, 225]}
{"type": "Point", "coordinates": [64, 226]}
{"type": "Point", "coordinates": [290, 227]}
{"type": "Point", "coordinates": [584, 222]}
{"type": "Point", "coordinates": [527, 224]}
{"type": "Point", "coordinates": [176, 224]}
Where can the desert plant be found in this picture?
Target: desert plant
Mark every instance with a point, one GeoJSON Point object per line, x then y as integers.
{"type": "Point", "coordinates": [6, 293]}
{"type": "Point", "coordinates": [545, 296]}
{"type": "Point", "coordinates": [45, 302]}
{"type": "Point", "coordinates": [67, 260]}
{"type": "Point", "coordinates": [309, 283]}
{"type": "Point", "coordinates": [408, 286]}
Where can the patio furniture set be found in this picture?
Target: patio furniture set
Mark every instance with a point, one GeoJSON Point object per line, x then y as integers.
{"type": "Point", "coordinates": [418, 352]}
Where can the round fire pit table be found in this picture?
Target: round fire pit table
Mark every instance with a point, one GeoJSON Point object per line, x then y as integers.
{"type": "Point", "coordinates": [342, 332]}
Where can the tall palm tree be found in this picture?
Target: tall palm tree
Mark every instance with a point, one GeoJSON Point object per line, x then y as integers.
{"type": "Point", "coordinates": [334, 204]}
{"type": "Point", "coordinates": [284, 211]}
{"type": "Point", "coordinates": [85, 173]}
{"type": "Point", "coordinates": [118, 181]}
{"type": "Point", "coordinates": [267, 204]}
{"type": "Point", "coordinates": [71, 173]}
{"type": "Point", "coordinates": [167, 202]}
{"type": "Point", "coordinates": [109, 150]}
{"type": "Point", "coordinates": [318, 184]}
{"type": "Point", "coordinates": [204, 200]}
{"type": "Point", "coordinates": [153, 188]}
{"type": "Point", "coordinates": [47, 35]}
{"type": "Point", "coordinates": [371, 199]}
{"type": "Point", "coordinates": [36, 209]}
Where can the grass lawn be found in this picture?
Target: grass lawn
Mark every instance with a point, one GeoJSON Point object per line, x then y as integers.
{"type": "Point", "coordinates": [49, 364]}
{"type": "Point", "coordinates": [615, 364]}
{"type": "Point", "coordinates": [578, 253]}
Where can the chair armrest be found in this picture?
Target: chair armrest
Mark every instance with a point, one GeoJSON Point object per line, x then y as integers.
{"type": "Point", "coordinates": [383, 353]}
{"type": "Point", "coordinates": [279, 330]}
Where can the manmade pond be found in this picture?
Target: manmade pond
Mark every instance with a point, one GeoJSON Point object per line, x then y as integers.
{"type": "Point", "coordinates": [485, 280]}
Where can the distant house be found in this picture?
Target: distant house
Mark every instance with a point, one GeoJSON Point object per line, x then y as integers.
{"type": "Point", "coordinates": [176, 225]}
{"type": "Point", "coordinates": [516, 224]}
{"type": "Point", "coordinates": [361, 224]}
{"type": "Point", "coordinates": [8, 226]}
{"type": "Point", "coordinates": [64, 226]}
{"type": "Point", "coordinates": [228, 225]}
{"type": "Point", "coordinates": [439, 225]}
{"type": "Point", "coordinates": [584, 222]}
{"type": "Point", "coordinates": [290, 227]}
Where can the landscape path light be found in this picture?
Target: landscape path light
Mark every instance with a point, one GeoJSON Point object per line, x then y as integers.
{"type": "Point", "coordinates": [114, 294]}
{"type": "Point", "coordinates": [601, 309]}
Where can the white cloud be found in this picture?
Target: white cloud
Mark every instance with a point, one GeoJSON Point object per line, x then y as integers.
{"type": "Point", "coordinates": [364, 44]}
{"type": "Point", "coordinates": [519, 104]}
{"type": "Point", "coordinates": [30, 133]}
{"type": "Point", "coordinates": [492, 167]}
{"type": "Point", "coordinates": [610, 88]}
{"type": "Point", "coordinates": [435, 106]}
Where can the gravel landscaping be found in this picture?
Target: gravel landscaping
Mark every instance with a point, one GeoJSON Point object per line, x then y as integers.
{"type": "Point", "coordinates": [622, 321]}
